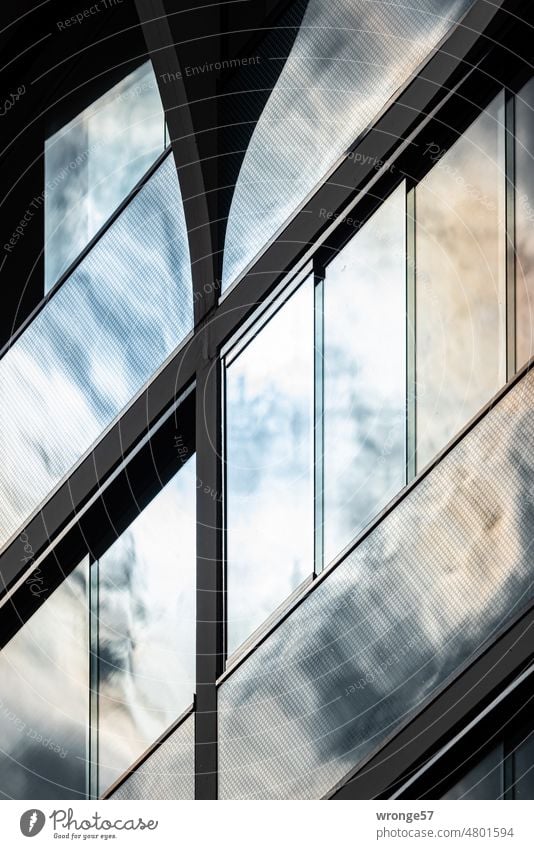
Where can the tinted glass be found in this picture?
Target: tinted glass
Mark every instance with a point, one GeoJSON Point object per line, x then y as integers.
{"type": "Point", "coordinates": [460, 288]}
{"type": "Point", "coordinates": [347, 60]}
{"type": "Point", "coordinates": [147, 627]}
{"type": "Point", "coordinates": [44, 700]}
{"type": "Point", "coordinates": [269, 404]}
{"type": "Point", "coordinates": [101, 336]}
{"type": "Point", "coordinates": [93, 162]}
{"type": "Point", "coordinates": [524, 215]}
{"type": "Point", "coordinates": [365, 374]}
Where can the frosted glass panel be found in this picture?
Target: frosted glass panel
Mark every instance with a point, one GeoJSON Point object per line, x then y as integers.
{"type": "Point", "coordinates": [270, 466]}
{"type": "Point", "coordinates": [460, 290]}
{"type": "Point", "coordinates": [101, 336]}
{"type": "Point", "coordinates": [365, 374]}
{"type": "Point", "coordinates": [44, 698]}
{"type": "Point", "coordinates": [93, 162]}
{"type": "Point", "coordinates": [147, 627]}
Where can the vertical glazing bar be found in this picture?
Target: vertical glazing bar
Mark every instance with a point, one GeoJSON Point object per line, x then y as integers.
{"type": "Point", "coordinates": [509, 127]}
{"type": "Point", "coordinates": [210, 584]}
{"type": "Point", "coordinates": [318, 421]}
{"type": "Point", "coordinates": [411, 375]}
{"type": "Point", "coordinates": [92, 776]}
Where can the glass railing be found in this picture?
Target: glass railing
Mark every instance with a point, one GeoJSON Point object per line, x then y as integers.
{"type": "Point", "coordinates": [103, 333]}
{"type": "Point", "coordinates": [421, 593]}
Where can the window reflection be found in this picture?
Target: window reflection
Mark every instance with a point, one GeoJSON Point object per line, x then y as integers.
{"type": "Point", "coordinates": [93, 162]}
{"type": "Point", "coordinates": [460, 290]}
{"type": "Point", "coordinates": [44, 700]}
{"type": "Point", "coordinates": [524, 216]}
{"type": "Point", "coordinates": [365, 375]}
{"type": "Point", "coordinates": [147, 627]}
{"type": "Point", "coordinates": [270, 466]}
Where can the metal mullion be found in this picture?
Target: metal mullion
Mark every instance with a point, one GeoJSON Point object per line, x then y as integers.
{"type": "Point", "coordinates": [210, 628]}
{"type": "Point", "coordinates": [510, 270]}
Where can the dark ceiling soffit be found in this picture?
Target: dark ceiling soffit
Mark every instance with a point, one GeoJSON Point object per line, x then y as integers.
{"type": "Point", "coordinates": [444, 716]}
{"type": "Point", "coordinates": [211, 115]}
{"type": "Point", "coordinates": [381, 142]}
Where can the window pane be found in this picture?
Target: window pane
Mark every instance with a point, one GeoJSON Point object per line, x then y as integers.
{"type": "Point", "coordinates": [482, 781]}
{"type": "Point", "coordinates": [147, 627]}
{"type": "Point", "coordinates": [347, 60]}
{"type": "Point", "coordinates": [460, 289]}
{"type": "Point", "coordinates": [524, 213]}
{"type": "Point", "coordinates": [103, 334]}
{"type": "Point", "coordinates": [93, 162]}
{"type": "Point", "coordinates": [365, 374]}
{"type": "Point", "coordinates": [270, 466]}
{"type": "Point", "coordinates": [44, 701]}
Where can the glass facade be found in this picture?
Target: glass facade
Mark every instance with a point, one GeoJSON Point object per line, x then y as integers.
{"type": "Point", "coordinates": [44, 698]}
{"type": "Point", "coordinates": [102, 335]}
{"type": "Point", "coordinates": [146, 627]}
{"type": "Point", "coordinates": [365, 375]}
{"type": "Point", "coordinates": [93, 162]}
{"type": "Point", "coordinates": [269, 468]}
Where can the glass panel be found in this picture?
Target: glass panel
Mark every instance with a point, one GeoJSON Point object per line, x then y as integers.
{"type": "Point", "coordinates": [347, 60]}
{"type": "Point", "coordinates": [365, 374]}
{"type": "Point", "coordinates": [524, 226]}
{"type": "Point", "coordinates": [524, 768]}
{"type": "Point", "coordinates": [483, 781]}
{"type": "Point", "coordinates": [169, 773]}
{"type": "Point", "coordinates": [44, 702]}
{"type": "Point", "coordinates": [93, 162]}
{"type": "Point", "coordinates": [385, 629]}
{"type": "Point", "coordinates": [460, 289]}
{"type": "Point", "coordinates": [147, 627]}
{"type": "Point", "coordinates": [102, 335]}
{"type": "Point", "coordinates": [269, 391]}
